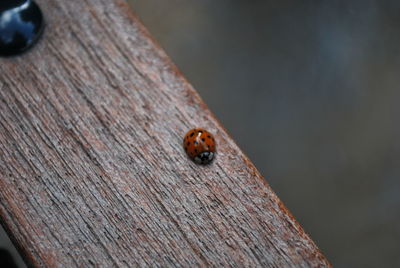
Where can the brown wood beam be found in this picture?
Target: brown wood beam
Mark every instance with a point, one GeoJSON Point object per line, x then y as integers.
{"type": "Point", "coordinates": [92, 166]}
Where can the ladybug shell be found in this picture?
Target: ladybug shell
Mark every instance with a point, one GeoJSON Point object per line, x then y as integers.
{"type": "Point", "coordinates": [199, 145]}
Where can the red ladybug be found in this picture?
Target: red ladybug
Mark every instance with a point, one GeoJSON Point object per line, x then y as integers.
{"type": "Point", "coordinates": [199, 145]}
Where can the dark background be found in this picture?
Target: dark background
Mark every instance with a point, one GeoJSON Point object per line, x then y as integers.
{"type": "Point", "coordinates": [310, 90]}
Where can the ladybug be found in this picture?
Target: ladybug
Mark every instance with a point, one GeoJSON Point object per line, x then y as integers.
{"type": "Point", "coordinates": [199, 145]}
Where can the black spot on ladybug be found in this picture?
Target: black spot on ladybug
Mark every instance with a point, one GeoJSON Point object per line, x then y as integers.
{"type": "Point", "coordinates": [203, 139]}
{"type": "Point", "coordinates": [191, 135]}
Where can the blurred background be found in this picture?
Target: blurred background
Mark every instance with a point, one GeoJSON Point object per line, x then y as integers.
{"type": "Point", "coordinates": [310, 90]}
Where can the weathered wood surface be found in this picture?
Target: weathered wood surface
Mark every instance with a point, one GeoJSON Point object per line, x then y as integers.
{"type": "Point", "coordinates": [92, 167]}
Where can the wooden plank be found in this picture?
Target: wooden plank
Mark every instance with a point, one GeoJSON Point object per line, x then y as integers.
{"type": "Point", "coordinates": [93, 172]}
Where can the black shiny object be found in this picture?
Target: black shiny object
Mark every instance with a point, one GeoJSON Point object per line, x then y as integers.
{"type": "Point", "coordinates": [21, 24]}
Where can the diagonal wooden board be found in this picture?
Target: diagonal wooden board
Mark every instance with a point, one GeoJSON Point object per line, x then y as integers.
{"type": "Point", "coordinates": [92, 169]}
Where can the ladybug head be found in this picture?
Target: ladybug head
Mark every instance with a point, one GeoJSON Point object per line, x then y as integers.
{"type": "Point", "coordinates": [204, 158]}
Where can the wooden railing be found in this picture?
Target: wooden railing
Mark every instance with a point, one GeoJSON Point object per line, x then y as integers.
{"type": "Point", "coordinates": [93, 172]}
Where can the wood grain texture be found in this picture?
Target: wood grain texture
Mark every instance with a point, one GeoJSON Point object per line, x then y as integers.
{"type": "Point", "coordinates": [93, 172]}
